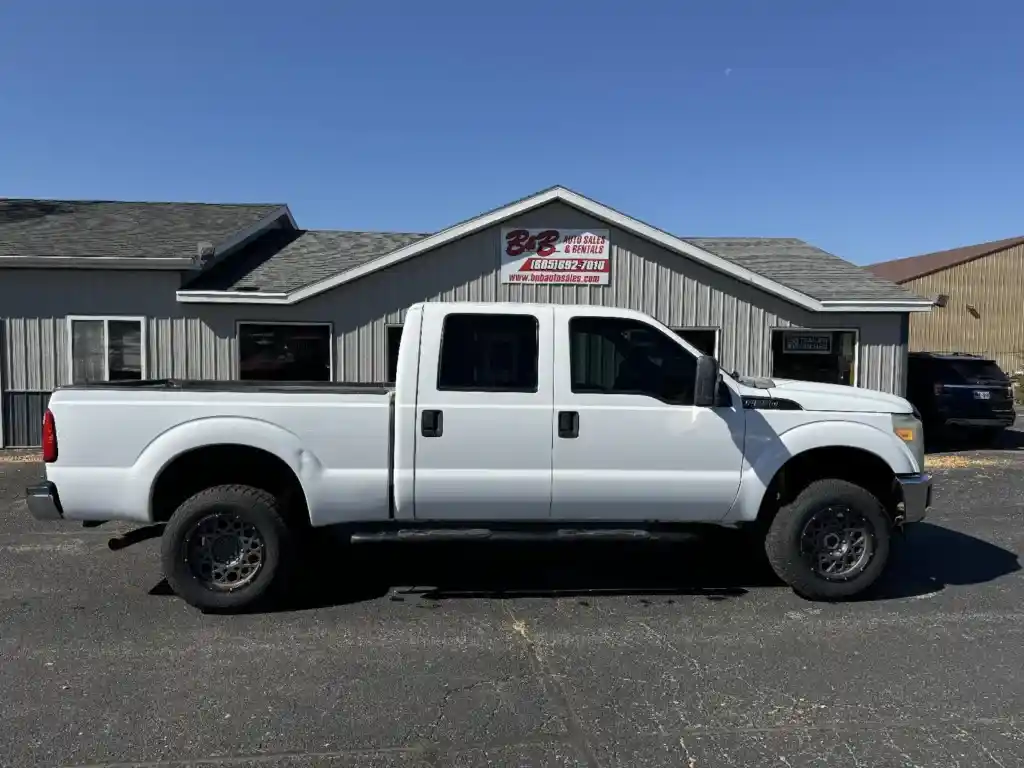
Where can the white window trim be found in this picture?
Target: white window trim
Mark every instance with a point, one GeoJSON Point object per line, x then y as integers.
{"type": "Point", "coordinates": [312, 323]}
{"type": "Point", "coordinates": [715, 328]}
{"type": "Point", "coordinates": [856, 345]}
{"type": "Point", "coordinates": [143, 324]}
{"type": "Point", "coordinates": [387, 326]}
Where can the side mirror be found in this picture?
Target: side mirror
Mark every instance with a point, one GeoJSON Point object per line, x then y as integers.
{"type": "Point", "coordinates": [705, 390]}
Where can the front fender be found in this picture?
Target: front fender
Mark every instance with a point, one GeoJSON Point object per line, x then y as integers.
{"type": "Point", "coordinates": [767, 453]}
{"type": "Point", "coordinates": [220, 430]}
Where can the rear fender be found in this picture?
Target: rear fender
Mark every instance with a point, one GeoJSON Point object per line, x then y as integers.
{"type": "Point", "coordinates": [222, 430]}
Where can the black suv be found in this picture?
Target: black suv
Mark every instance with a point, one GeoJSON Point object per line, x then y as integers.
{"type": "Point", "coordinates": [953, 390]}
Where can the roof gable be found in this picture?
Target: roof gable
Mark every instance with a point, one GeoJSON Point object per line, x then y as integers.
{"type": "Point", "coordinates": [914, 267]}
{"type": "Point", "coordinates": [895, 299]}
{"type": "Point", "coordinates": [95, 230]}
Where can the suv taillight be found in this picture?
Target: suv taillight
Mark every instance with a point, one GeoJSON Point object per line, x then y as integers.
{"type": "Point", "coordinates": [939, 388]}
{"type": "Point", "coordinates": [49, 437]}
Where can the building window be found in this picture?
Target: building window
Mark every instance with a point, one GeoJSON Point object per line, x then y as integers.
{"type": "Point", "coordinates": [822, 355]}
{"type": "Point", "coordinates": [284, 352]}
{"type": "Point", "coordinates": [492, 353]}
{"type": "Point", "coordinates": [107, 349]}
{"type": "Point", "coordinates": [616, 356]}
{"type": "Point", "coordinates": [392, 340]}
{"type": "Point", "coordinates": [704, 339]}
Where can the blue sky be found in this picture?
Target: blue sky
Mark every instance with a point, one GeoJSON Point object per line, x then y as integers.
{"type": "Point", "coordinates": [875, 129]}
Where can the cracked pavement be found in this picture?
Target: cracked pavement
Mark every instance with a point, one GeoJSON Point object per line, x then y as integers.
{"type": "Point", "coordinates": [474, 655]}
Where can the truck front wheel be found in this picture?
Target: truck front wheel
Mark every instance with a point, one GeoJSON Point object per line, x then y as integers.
{"type": "Point", "coordinates": [831, 542]}
{"type": "Point", "coordinates": [227, 548]}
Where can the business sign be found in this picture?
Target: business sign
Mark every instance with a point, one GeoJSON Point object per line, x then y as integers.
{"type": "Point", "coordinates": [804, 343]}
{"type": "Point", "coordinates": [555, 256]}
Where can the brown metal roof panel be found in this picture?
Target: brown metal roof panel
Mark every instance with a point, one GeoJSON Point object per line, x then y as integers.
{"type": "Point", "coordinates": [913, 267]}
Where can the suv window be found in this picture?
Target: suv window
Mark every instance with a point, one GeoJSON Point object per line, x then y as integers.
{"type": "Point", "coordinates": [972, 371]}
{"type": "Point", "coordinates": [617, 356]}
{"type": "Point", "coordinates": [488, 353]}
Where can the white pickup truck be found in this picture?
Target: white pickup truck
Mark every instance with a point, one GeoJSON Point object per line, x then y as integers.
{"type": "Point", "coordinates": [507, 421]}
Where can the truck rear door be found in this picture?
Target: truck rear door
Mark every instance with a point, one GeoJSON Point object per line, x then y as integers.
{"type": "Point", "coordinates": [484, 413]}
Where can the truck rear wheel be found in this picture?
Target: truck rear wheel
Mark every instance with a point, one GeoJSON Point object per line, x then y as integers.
{"type": "Point", "coordinates": [227, 548]}
{"type": "Point", "coordinates": [831, 542]}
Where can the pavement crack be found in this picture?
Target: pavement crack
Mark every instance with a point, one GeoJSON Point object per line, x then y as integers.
{"type": "Point", "coordinates": [555, 691]}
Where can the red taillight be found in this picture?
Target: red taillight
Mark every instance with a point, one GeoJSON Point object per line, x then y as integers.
{"type": "Point", "coordinates": [49, 437]}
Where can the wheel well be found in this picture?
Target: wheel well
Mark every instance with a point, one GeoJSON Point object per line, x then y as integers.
{"type": "Point", "coordinates": [227, 464]}
{"type": "Point", "coordinates": [854, 465]}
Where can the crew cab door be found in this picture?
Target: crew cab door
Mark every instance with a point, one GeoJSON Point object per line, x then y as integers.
{"type": "Point", "coordinates": [483, 413]}
{"type": "Point", "coordinates": [629, 444]}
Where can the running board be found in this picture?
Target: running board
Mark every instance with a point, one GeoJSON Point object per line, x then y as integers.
{"type": "Point", "coordinates": [523, 535]}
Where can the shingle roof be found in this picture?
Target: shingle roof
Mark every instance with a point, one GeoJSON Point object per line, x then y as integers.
{"type": "Point", "coordinates": [913, 267]}
{"type": "Point", "coordinates": [93, 228]}
{"type": "Point", "coordinates": [281, 262]}
{"type": "Point", "coordinates": [802, 267]}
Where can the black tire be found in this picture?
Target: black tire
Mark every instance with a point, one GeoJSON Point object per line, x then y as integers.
{"type": "Point", "coordinates": [253, 507]}
{"type": "Point", "coordinates": [783, 541]}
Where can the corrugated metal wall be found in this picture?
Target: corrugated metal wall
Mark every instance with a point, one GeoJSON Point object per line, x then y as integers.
{"type": "Point", "coordinates": [994, 286]}
{"type": "Point", "coordinates": [199, 341]}
{"type": "Point", "coordinates": [23, 418]}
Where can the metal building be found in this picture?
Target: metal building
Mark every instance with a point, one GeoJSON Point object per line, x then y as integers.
{"type": "Point", "coordinates": [109, 290]}
{"type": "Point", "coordinates": [977, 292]}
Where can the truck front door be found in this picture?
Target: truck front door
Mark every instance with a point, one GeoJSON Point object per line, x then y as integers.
{"type": "Point", "coordinates": [629, 444]}
{"type": "Point", "coordinates": [483, 414]}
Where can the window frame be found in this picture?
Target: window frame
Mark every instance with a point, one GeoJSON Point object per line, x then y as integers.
{"type": "Point", "coordinates": [144, 341]}
{"type": "Point", "coordinates": [495, 390]}
{"type": "Point", "coordinates": [672, 339]}
{"type": "Point", "coordinates": [302, 323]}
{"type": "Point", "coordinates": [387, 329]}
{"type": "Point", "coordinates": [856, 345]}
{"type": "Point", "coordinates": [717, 329]}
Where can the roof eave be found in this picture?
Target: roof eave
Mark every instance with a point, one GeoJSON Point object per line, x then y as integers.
{"type": "Point", "coordinates": [96, 262]}
{"type": "Point", "coordinates": [877, 305]}
{"type": "Point", "coordinates": [232, 297]}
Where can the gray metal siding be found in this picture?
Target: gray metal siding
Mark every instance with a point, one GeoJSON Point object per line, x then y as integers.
{"type": "Point", "coordinates": [199, 341]}
{"type": "Point", "coordinates": [23, 418]}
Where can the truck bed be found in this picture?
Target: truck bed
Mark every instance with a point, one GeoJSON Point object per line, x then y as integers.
{"type": "Point", "coordinates": [114, 439]}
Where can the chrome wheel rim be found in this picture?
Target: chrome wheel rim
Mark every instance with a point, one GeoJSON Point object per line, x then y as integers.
{"type": "Point", "coordinates": [224, 552]}
{"type": "Point", "coordinates": [837, 542]}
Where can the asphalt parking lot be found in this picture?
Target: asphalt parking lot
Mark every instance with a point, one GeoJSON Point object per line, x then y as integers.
{"type": "Point", "coordinates": [468, 656]}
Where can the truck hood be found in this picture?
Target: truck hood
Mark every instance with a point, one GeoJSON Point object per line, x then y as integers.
{"type": "Point", "coordinates": [812, 396]}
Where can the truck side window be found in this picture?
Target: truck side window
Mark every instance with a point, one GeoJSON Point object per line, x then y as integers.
{"type": "Point", "coordinates": [488, 353]}
{"type": "Point", "coordinates": [618, 356]}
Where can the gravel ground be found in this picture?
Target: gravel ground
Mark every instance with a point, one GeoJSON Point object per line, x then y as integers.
{"type": "Point", "coordinates": [575, 656]}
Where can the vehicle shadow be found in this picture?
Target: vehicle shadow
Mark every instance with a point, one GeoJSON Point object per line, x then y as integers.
{"type": "Point", "coordinates": [433, 572]}
{"type": "Point", "coordinates": [926, 560]}
{"type": "Point", "coordinates": [1009, 440]}
{"type": "Point", "coordinates": [931, 557]}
